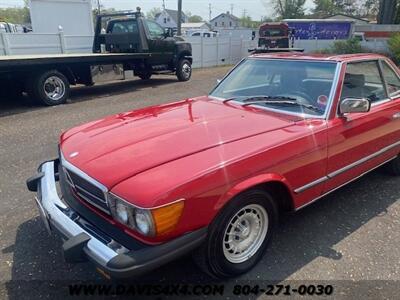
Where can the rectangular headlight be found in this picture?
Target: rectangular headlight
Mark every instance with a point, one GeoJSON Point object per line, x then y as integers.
{"type": "Point", "coordinates": [148, 222]}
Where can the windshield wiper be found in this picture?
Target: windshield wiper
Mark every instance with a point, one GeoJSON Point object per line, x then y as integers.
{"type": "Point", "coordinates": [284, 100]}
{"type": "Point", "coordinates": [260, 98]}
{"type": "Point", "coordinates": [280, 100]}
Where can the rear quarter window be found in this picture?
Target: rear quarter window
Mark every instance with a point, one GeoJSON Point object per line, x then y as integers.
{"type": "Point", "coordinates": [124, 27]}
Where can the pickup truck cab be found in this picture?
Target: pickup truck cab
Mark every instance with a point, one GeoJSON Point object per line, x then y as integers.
{"type": "Point", "coordinates": [212, 174]}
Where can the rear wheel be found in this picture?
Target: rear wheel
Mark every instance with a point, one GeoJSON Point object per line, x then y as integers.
{"type": "Point", "coordinates": [184, 70]}
{"type": "Point", "coordinates": [49, 88]}
{"type": "Point", "coordinates": [239, 236]}
{"type": "Point", "coordinates": [393, 167]}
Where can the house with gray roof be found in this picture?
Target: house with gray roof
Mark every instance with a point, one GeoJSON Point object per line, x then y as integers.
{"type": "Point", "coordinates": [225, 21]}
{"type": "Point", "coordinates": [168, 18]}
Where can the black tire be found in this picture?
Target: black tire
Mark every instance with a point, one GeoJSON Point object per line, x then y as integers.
{"type": "Point", "coordinates": [184, 70]}
{"type": "Point", "coordinates": [145, 75]}
{"type": "Point", "coordinates": [39, 89]}
{"type": "Point", "coordinates": [211, 257]}
{"type": "Point", "coordinates": [393, 167]}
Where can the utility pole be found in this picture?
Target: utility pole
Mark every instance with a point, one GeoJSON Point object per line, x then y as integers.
{"type": "Point", "coordinates": [163, 4]}
{"type": "Point", "coordinates": [98, 7]}
{"type": "Point", "coordinates": [210, 12]}
{"type": "Point", "coordinates": [232, 6]}
{"type": "Point", "coordinates": [179, 33]}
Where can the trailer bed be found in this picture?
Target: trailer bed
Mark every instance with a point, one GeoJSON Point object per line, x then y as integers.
{"type": "Point", "coordinates": [78, 58]}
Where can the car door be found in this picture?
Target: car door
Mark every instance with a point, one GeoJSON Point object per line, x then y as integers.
{"type": "Point", "coordinates": [360, 142]}
{"type": "Point", "coordinates": [162, 47]}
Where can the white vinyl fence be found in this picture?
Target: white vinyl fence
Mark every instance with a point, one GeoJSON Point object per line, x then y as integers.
{"type": "Point", "coordinates": [207, 52]}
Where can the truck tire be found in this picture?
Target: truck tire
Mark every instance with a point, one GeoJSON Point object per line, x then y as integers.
{"type": "Point", "coordinates": [239, 236]}
{"type": "Point", "coordinates": [49, 88]}
{"type": "Point", "coordinates": [184, 70]}
{"type": "Point", "coordinates": [393, 167]}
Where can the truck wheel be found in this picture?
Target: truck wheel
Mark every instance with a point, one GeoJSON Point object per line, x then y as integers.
{"type": "Point", "coordinates": [393, 167]}
{"type": "Point", "coordinates": [50, 88]}
{"type": "Point", "coordinates": [239, 236]}
{"type": "Point", "coordinates": [184, 70]}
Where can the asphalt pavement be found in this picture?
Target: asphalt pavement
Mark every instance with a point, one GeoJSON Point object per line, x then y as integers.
{"type": "Point", "coordinates": [350, 237]}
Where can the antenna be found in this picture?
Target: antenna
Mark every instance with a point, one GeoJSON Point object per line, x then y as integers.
{"type": "Point", "coordinates": [232, 6]}
{"type": "Point", "coordinates": [163, 4]}
{"type": "Point", "coordinates": [210, 11]}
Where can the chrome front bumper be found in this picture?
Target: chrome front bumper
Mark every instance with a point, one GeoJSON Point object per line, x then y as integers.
{"type": "Point", "coordinates": [60, 217]}
{"type": "Point", "coordinates": [84, 240]}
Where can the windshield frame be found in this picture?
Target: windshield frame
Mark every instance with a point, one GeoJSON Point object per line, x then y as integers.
{"type": "Point", "coordinates": [331, 96]}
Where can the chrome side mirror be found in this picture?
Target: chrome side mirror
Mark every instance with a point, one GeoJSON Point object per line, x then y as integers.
{"type": "Point", "coordinates": [354, 105]}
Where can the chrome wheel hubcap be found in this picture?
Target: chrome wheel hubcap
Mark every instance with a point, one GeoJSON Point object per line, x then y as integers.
{"type": "Point", "coordinates": [245, 233]}
{"type": "Point", "coordinates": [54, 88]}
{"type": "Point", "coordinates": [187, 70]}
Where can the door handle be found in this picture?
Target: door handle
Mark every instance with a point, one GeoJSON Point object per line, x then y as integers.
{"type": "Point", "coordinates": [396, 116]}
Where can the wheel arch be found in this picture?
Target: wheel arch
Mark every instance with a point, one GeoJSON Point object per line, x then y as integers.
{"type": "Point", "coordinates": [185, 54]}
{"type": "Point", "coordinates": [275, 184]}
{"type": "Point", "coordinates": [67, 72]}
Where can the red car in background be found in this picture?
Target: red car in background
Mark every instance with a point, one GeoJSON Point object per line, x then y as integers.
{"type": "Point", "coordinates": [212, 174]}
{"type": "Point", "coordinates": [274, 35]}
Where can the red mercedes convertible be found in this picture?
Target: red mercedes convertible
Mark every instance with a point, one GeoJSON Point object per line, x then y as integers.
{"type": "Point", "coordinates": [211, 175]}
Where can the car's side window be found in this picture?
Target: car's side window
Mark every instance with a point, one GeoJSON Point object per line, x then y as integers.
{"type": "Point", "coordinates": [363, 80]}
{"type": "Point", "coordinates": [156, 31]}
{"type": "Point", "coordinates": [391, 78]}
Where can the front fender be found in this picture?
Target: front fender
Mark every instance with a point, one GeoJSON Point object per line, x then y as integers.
{"type": "Point", "coordinates": [249, 183]}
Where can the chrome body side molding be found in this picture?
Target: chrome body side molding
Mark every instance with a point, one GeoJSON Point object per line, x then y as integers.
{"type": "Point", "coordinates": [355, 178]}
{"type": "Point", "coordinates": [347, 168]}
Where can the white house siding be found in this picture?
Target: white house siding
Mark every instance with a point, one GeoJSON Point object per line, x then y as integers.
{"type": "Point", "coordinates": [165, 20]}
{"type": "Point", "coordinates": [224, 21]}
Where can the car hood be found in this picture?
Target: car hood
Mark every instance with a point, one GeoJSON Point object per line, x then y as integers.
{"type": "Point", "coordinates": [120, 146]}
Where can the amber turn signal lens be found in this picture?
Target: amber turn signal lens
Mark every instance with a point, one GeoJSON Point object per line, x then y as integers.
{"type": "Point", "coordinates": [166, 218]}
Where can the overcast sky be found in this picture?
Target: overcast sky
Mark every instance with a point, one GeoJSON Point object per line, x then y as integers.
{"type": "Point", "coordinates": [255, 8]}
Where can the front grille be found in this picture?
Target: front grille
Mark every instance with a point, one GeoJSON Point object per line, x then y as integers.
{"type": "Point", "coordinates": [87, 191]}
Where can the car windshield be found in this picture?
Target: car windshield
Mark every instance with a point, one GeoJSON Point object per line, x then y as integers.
{"type": "Point", "coordinates": [302, 87]}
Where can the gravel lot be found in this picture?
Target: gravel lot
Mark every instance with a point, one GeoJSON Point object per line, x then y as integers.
{"type": "Point", "coordinates": [350, 235]}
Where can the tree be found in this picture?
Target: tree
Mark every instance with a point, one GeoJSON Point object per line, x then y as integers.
{"type": "Point", "coordinates": [195, 19]}
{"type": "Point", "coordinates": [371, 8]}
{"type": "Point", "coordinates": [103, 10]}
{"type": "Point", "coordinates": [16, 15]}
{"type": "Point", "coordinates": [289, 9]}
{"type": "Point", "coordinates": [151, 14]}
{"type": "Point", "coordinates": [324, 8]}
{"type": "Point", "coordinates": [345, 6]}
{"type": "Point", "coordinates": [247, 21]}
